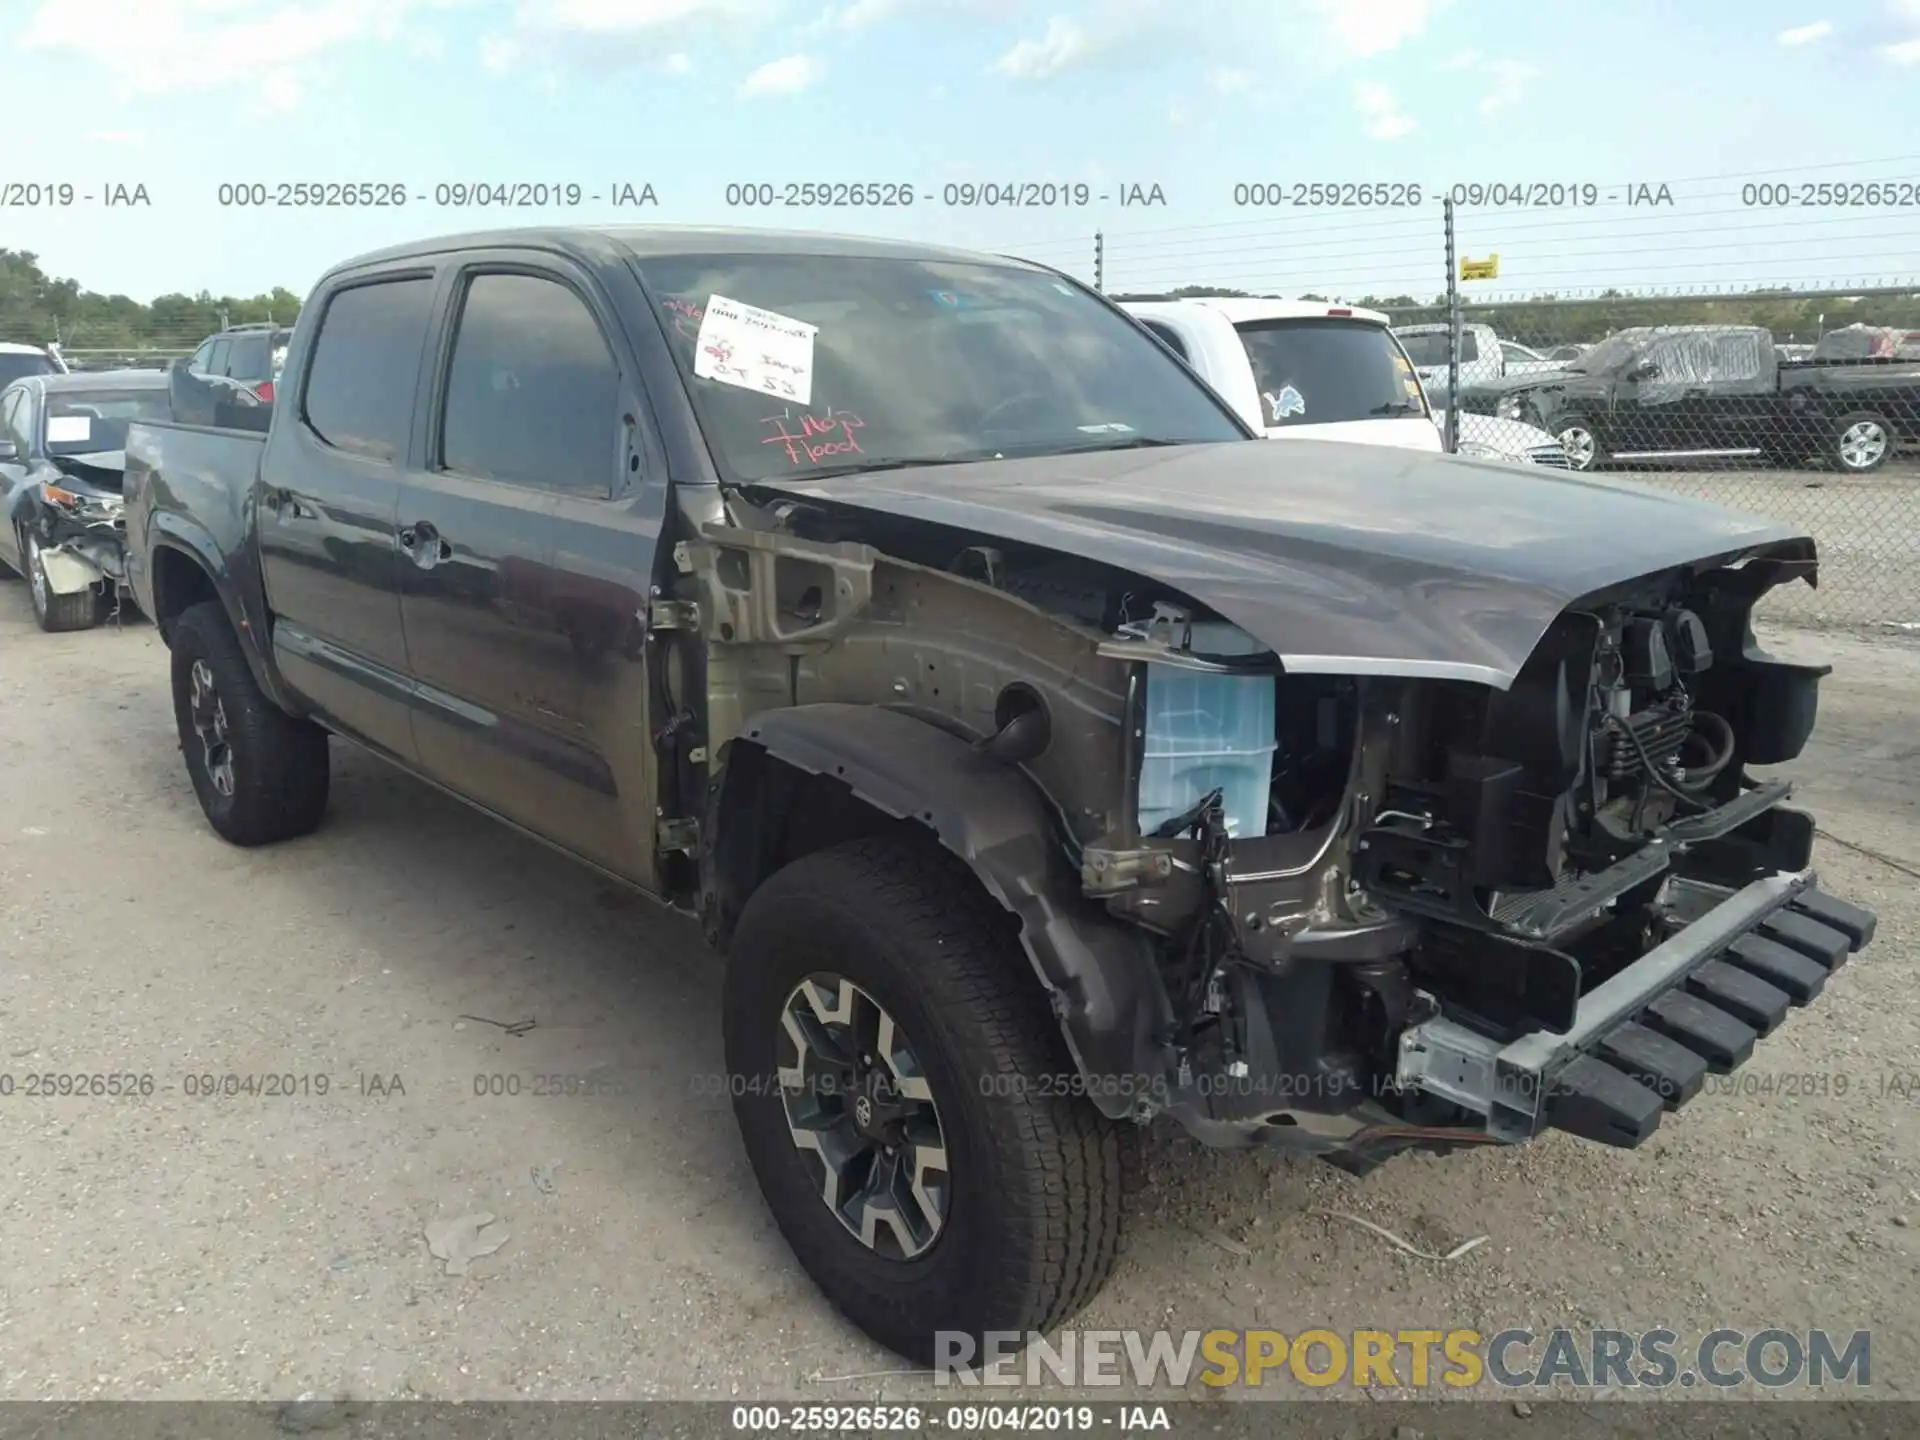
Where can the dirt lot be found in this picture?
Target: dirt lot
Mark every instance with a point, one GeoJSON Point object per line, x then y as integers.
{"type": "Point", "coordinates": [171, 1246]}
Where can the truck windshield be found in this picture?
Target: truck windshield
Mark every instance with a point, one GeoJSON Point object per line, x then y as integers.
{"type": "Point", "coordinates": [81, 422]}
{"type": "Point", "coordinates": [1323, 372]}
{"type": "Point", "coordinates": [1611, 353]}
{"type": "Point", "coordinates": [807, 364]}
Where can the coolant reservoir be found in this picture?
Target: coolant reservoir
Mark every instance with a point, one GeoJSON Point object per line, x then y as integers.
{"type": "Point", "coordinates": [1208, 732]}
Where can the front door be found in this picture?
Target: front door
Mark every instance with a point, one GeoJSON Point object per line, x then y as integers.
{"type": "Point", "coordinates": [327, 521]}
{"type": "Point", "coordinates": [521, 576]}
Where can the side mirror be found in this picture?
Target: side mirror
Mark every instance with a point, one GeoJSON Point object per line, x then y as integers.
{"type": "Point", "coordinates": [1645, 370]}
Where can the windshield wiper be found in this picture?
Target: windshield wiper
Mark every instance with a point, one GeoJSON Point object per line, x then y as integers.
{"type": "Point", "coordinates": [873, 467]}
{"type": "Point", "coordinates": [1136, 442]}
{"type": "Point", "coordinates": [1396, 407]}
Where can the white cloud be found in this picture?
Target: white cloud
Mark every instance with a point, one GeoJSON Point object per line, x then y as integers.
{"type": "Point", "coordinates": [1508, 84]}
{"type": "Point", "coordinates": [1464, 60]}
{"type": "Point", "coordinates": [1360, 28]}
{"type": "Point", "coordinates": [120, 137]}
{"type": "Point", "coordinates": [148, 47]}
{"type": "Point", "coordinates": [788, 75]}
{"type": "Point", "coordinates": [1380, 115]}
{"type": "Point", "coordinates": [498, 53]}
{"type": "Point", "coordinates": [857, 14]}
{"type": "Point", "coordinates": [678, 63]}
{"type": "Point", "coordinates": [1229, 81]}
{"type": "Point", "coordinates": [1064, 45]}
{"type": "Point", "coordinates": [1905, 52]}
{"type": "Point", "coordinates": [553, 35]}
{"type": "Point", "coordinates": [626, 17]}
{"type": "Point", "coordinates": [1806, 34]}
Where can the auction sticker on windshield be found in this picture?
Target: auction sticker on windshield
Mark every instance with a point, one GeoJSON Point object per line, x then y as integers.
{"type": "Point", "coordinates": [755, 349]}
{"type": "Point", "coordinates": [68, 429]}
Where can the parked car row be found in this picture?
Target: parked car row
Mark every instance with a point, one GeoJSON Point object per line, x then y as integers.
{"type": "Point", "coordinates": [1044, 757]}
{"type": "Point", "coordinates": [1693, 391]}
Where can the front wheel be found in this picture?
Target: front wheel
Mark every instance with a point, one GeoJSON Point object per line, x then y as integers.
{"type": "Point", "coordinates": [1862, 442]}
{"type": "Point", "coordinates": [907, 1102]}
{"type": "Point", "coordinates": [261, 775]}
{"type": "Point", "coordinates": [1577, 438]}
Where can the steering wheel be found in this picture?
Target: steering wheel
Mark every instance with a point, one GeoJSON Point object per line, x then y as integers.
{"type": "Point", "coordinates": [988, 419]}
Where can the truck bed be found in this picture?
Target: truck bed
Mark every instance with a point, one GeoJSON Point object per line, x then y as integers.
{"type": "Point", "coordinates": [179, 471]}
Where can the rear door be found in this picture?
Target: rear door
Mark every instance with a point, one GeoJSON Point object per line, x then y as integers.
{"type": "Point", "coordinates": [526, 558]}
{"type": "Point", "coordinates": [329, 500]}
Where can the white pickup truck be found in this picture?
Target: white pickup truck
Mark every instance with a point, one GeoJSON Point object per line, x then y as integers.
{"type": "Point", "coordinates": [1307, 370]}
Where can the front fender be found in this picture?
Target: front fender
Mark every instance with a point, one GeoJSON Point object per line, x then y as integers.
{"type": "Point", "coordinates": [1099, 973]}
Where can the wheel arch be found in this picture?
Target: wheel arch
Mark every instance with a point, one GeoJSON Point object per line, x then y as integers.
{"type": "Point", "coordinates": [185, 569]}
{"type": "Point", "coordinates": [801, 779]}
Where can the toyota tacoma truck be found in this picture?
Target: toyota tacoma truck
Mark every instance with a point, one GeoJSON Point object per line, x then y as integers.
{"type": "Point", "coordinates": [1712, 391]}
{"type": "Point", "coordinates": [1043, 757]}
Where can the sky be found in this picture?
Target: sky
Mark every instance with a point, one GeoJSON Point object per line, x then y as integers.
{"type": "Point", "coordinates": [1174, 103]}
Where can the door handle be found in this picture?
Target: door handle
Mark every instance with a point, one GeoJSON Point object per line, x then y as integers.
{"type": "Point", "coordinates": [287, 505]}
{"type": "Point", "coordinates": [424, 545]}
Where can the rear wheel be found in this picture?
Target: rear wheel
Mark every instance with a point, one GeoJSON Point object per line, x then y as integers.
{"type": "Point", "coordinates": [1862, 442]}
{"type": "Point", "coordinates": [905, 1099]}
{"type": "Point", "coordinates": [261, 775]}
{"type": "Point", "coordinates": [53, 611]}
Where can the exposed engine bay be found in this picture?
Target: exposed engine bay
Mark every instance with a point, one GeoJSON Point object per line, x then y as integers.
{"type": "Point", "coordinates": [1326, 864]}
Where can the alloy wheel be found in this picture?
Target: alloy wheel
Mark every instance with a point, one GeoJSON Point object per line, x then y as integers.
{"type": "Point", "coordinates": [1863, 445]}
{"type": "Point", "coordinates": [37, 575]}
{"type": "Point", "coordinates": [1580, 446]}
{"type": "Point", "coordinates": [860, 1109]}
{"type": "Point", "coordinates": [209, 714]}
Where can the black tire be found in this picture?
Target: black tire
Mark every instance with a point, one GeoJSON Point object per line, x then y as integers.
{"type": "Point", "coordinates": [1032, 1225]}
{"type": "Point", "coordinates": [277, 766]}
{"type": "Point", "coordinates": [55, 614]}
{"type": "Point", "coordinates": [1861, 442]}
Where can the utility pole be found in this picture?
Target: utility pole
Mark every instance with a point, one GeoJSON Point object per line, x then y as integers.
{"type": "Point", "coordinates": [1100, 262]}
{"type": "Point", "coordinates": [1452, 441]}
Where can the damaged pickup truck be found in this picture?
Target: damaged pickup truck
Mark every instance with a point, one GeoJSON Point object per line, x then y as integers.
{"type": "Point", "coordinates": [1044, 757]}
{"type": "Point", "coordinates": [62, 454]}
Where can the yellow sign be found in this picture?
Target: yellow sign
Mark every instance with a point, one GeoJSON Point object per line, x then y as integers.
{"type": "Point", "coordinates": [1487, 269]}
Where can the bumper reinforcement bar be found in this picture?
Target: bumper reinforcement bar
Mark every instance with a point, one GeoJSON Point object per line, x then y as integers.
{"type": "Point", "coordinates": [1643, 1042]}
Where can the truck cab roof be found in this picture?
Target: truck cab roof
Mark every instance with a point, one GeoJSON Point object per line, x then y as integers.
{"type": "Point", "coordinates": [591, 244]}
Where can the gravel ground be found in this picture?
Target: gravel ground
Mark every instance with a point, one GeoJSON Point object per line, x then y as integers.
{"type": "Point", "coordinates": [175, 1247]}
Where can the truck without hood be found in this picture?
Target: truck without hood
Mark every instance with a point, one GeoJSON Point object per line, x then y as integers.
{"type": "Point", "coordinates": [1045, 758]}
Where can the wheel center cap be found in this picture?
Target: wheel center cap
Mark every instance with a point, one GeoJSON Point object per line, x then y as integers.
{"type": "Point", "coordinates": [863, 1112]}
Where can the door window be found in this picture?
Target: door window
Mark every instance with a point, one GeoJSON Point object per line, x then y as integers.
{"type": "Point", "coordinates": [366, 361]}
{"type": "Point", "coordinates": [533, 394]}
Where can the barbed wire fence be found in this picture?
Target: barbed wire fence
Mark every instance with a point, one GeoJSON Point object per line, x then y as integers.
{"type": "Point", "coordinates": [1762, 354]}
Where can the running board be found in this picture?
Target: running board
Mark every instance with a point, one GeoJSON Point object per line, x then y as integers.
{"type": "Point", "coordinates": [1686, 454]}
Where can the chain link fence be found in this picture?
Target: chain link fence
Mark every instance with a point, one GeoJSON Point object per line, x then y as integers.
{"type": "Point", "coordinates": [1657, 343]}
